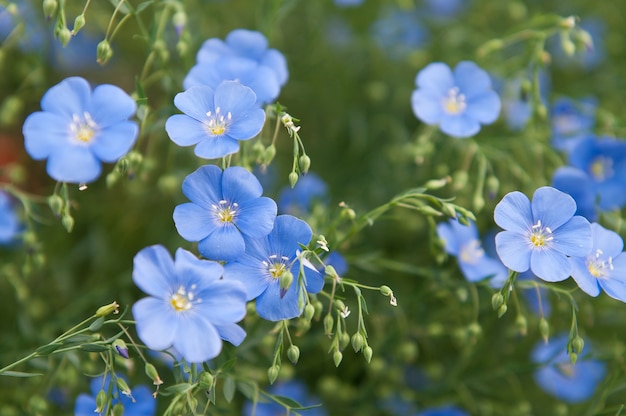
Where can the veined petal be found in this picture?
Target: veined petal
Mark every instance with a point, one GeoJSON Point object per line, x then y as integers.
{"type": "Point", "coordinates": [194, 272]}
{"type": "Point", "coordinates": [44, 132]}
{"type": "Point", "coordinates": [248, 125]}
{"type": "Point", "coordinates": [426, 106]}
{"type": "Point", "coordinates": [436, 77]}
{"type": "Point", "coordinates": [231, 332]}
{"type": "Point", "coordinates": [271, 306]}
{"type": "Point", "coordinates": [70, 96]}
{"type": "Point", "coordinates": [288, 232]}
{"type": "Point", "coordinates": [251, 272]}
{"type": "Point", "coordinates": [185, 131]}
{"type": "Point", "coordinates": [471, 79]}
{"type": "Point", "coordinates": [110, 144]}
{"type": "Point", "coordinates": [256, 217]}
{"type": "Point", "coordinates": [550, 265]}
{"type": "Point", "coordinates": [223, 300]}
{"type": "Point", "coordinates": [73, 164]}
{"type": "Point", "coordinates": [608, 242]}
{"type": "Point", "coordinates": [156, 322]}
{"type": "Point", "coordinates": [196, 102]}
{"type": "Point", "coordinates": [109, 105]}
{"type": "Point", "coordinates": [459, 125]}
{"type": "Point", "coordinates": [574, 237]}
{"type": "Point", "coordinates": [204, 186]}
{"type": "Point", "coordinates": [233, 97]}
{"type": "Point", "coordinates": [197, 339]}
{"type": "Point", "coordinates": [484, 108]}
{"type": "Point", "coordinates": [544, 207]}
{"type": "Point", "coordinates": [224, 243]}
{"type": "Point", "coordinates": [216, 147]}
{"type": "Point", "coordinates": [153, 271]}
{"type": "Point", "coordinates": [584, 279]}
{"type": "Point", "coordinates": [513, 251]}
{"type": "Point", "coordinates": [193, 222]}
{"type": "Point", "coordinates": [614, 288]}
{"type": "Point", "coordinates": [240, 185]}
{"type": "Point", "coordinates": [513, 213]}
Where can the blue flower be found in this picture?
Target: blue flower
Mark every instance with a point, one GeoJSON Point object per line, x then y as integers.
{"type": "Point", "coordinates": [604, 160]}
{"type": "Point", "coordinates": [464, 243]}
{"type": "Point", "coordinates": [215, 120]}
{"type": "Point", "coordinates": [9, 222]}
{"type": "Point", "coordinates": [338, 262]}
{"type": "Point", "coordinates": [458, 101]}
{"type": "Point", "coordinates": [80, 128]}
{"type": "Point", "coordinates": [443, 411]}
{"type": "Point", "coordinates": [249, 44]}
{"type": "Point", "coordinates": [445, 9]}
{"type": "Point", "coordinates": [300, 199]}
{"type": "Point", "coordinates": [541, 235]}
{"type": "Point", "coordinates": [295, 390]}
{"type": "Point", "coordinates": [571, 122]}
{"type": "Point", "coordinates": [142, 403]}
{"type": "Point", "coordinates": [579, 186]}
{"type": "Point", "coordinates": [604, 267]}
{"type": "Point", "coordinates": [571, 383]}
{"type": "Point", "coordinates": [348, 3]}
{"type": "Point", "coordinates": [267, 260]}
{"type": "Point", "coordinates": [190, 306]}
{"type": "Point", "coordinates": [398, 32]}
{"type": "Point", "coordinates": [225, 207]}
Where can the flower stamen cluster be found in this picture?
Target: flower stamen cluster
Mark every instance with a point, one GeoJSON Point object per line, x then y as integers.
{"type": "Point", "coordinates": [225, 212]}
{"type": "Point", "coordinates": [454, 103]}
{"type": "Point", "coordinates": [218, 123]}
{"type": "Point", "coordinates": [182, 299]}
{"type": "Point", "coordinates": [598, 266]}
{"type": "Point", "coordinates": [83, 128]}
{"type": "Point", "coordinates": [540, 236]}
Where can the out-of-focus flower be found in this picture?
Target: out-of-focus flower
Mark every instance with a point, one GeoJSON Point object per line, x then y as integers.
{"type": "Point", "coordinates": [517, 97]}
{"type": "Point", "coordinates": [266, 266]}
{"type": "Point", "coordinates": [293, 389]}
{"type": "Point", "coordinates": [21, 23]}
{"type": "Point", "coordinates": [398, 32]}
{"type": "Point", "coordinates": [445, 9]}
{"type": "Point", "coordinates": [539, 237]}
{"type": "Point", "coordinates": [571, 122]}
{"type": "Point", "coordinates": [459, 102]}
{"type": "Point", "coordinates": [463, 242]}
{"type": "Point", "coordinates": [348, 3]}
{"type": "Point", "coordinates": [604, 160]}
{"type": "Point", "coordinates": [140, 403]}
{"type": "Point", "coordinates": [299, 200]}
{"type": "Point", "coordinates": [190, 306]}
{"type": "Point", "coordinates": [225, 208]}
{"type": "Point", "coordinates": [571, 383]}
{"type": "Point", "coordinates": [589, 44]}
{"type": "Point", "coordinates": [80, 128]}
{"type": "Point", "coordinates": [604, 267]}
{"type": "Point", "coordinates": [215, 120]}
{"type": "Point", "coordinates": [9, 222]}
{"type": "Point", "coordinates": [443, 411]}
{"type": "Point", "coordinates": [579, 186]}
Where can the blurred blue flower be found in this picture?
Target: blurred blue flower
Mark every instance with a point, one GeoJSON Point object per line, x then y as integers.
{"type": "Point", "coordinates": [458, 101]}
{"type": "Point", "coordinates": [604, 267]}
{"type": "Point", "coordinates": [9, 222]}
{"type": "Point", "coordinates": [604, 160]}
{"type": "Point", "coordinates": [571, 383]}
{"type": "Point", "coordinates": [517, 100]}
{"type": "Point", "coordinates": [571, 122]}
{"type": "Point", "coordinates": [539, 237]}
{"type": "Point", "coordinates": [463, 242]}
{"type": "Point", "coordinates": [445, 9]}
{"type": "Point", "coordinates": [588, 54]}
{"type": "Point", "coordinates": [249, 44]}
{"type": "Point", "coordinates": [338, 262]}
{"type": "Point", "coordinates": [398, 32]}
{"type": "Point", "coordinates": [267, 260]}
{"type": "Point", "coordinates": [142, 403]}
{"type": "Point", "coordinates": [293, 389]}
{"type": "Point", "coordinates": [80, 128]}
{"type": "Point", "coordinates": [579, 186]}
{"type": "Point", "coordinates": [225, 207]}
{"type": "Point", "coordinates": [23, 23]}
{"type": "Point", "coordinates": [215, 120]}
{"type": "Point", "coordinates": [299, 200]}
{"type": "Point", "coordinates": [348, 3]}
{"type": "Point", "coordinates": [190, 306]}
{"type": "Point", "coordinates": [443, 411]}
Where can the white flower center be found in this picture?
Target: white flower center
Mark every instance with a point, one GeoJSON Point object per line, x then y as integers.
{"type": "Point", "coordinates": [472, 252]}
{"type": "Point", "coordinates": [601, 168]}
{"type": "Point", "coordinates": [540, 236]}
{"type": "Point", "coordinates": [217, 123]}
{"type": "Point", "coordinates": [598, 267]}
{"type": "Point", "coordinates": [83, 128]}
{"type": "Point", "coordinates": [224, 211]}
{"type": "Point", "coordinates": [454, 103]}
{"type": "Point", "coordinates": [183, 299]}
{"type": "Point", "coordinates": [276, 265]}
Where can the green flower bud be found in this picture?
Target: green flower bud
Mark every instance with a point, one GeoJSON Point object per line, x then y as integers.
{"type": "Point", "coordinates": [293, 353]}
{"type": "Point", "coordinates": [50, 8]}
{"type": "Point", "coordinates": [101, 401]}
{"type": "Point", "coordinates": [521, 324]}
{"type": "Point", "coordinates": [68, 222]}
{"type": "Point", "coordinates": [118, 410]}
{"type": "Point", "coordinates": [437, 183]}
{"type": "Point", "coordinates": [460, 178]}
{"type": "Point", "coordinates": [502, 310]}
{"type": "Point", "coordinates": [340, 305]}
{"type": "Point", "coordinates": [205, 379]}
{"type": "Point", "coordinates": [357, 341]}
{"type": "Point", "coordinates": [121, 347]}
{"type": "Point", "coordinates": [293, 179]}
{"type": "Point", "coordinates": [385, 290]}
{"type": "Point", "coordinates": [497, 300]}
{"type": "Point", "coordinates": [578, 344]}
{"type": "Point", "coordinates": [305, 163]}
{"type": "Point", "coordinates": [64, 36]}
{"type": "Point", "coordinates": [337, 357]}
{"type": "Point", "coordinates": [309, 311]}
{"type": "Point", "coordinates": [79, 23]}
{"type": "Point", "coordinates": [152, 373]}
{"type": "Point", "coordinates": [272, 373]}
{"type": "Point", "coordinates": [544, 329]}
{"type": "Point", "coordinates": [286, 279]}
{"type": "Point", "coordinates": [492, 185]}
{"type": "Point", "coordinates": [108, 309]}
{"type": "Point", "coordinates": [268, 156]}
{"type": "Point", "coordinates": [123, 386]}
{"type": "Point", "coordinates": [328, 324]}
{"type": "Point", "coordinates": [344, 340]}
{"type": "Point", "coordinates": [319, 308]}
{"type": "Point", "coordinates": [104, 52]}
{"type": "Point", "coordinates": [55, 202]}
{"type": "Point", "coordinates": [573, 357]}
{"type": "Point", "coordinates": [367, 353]}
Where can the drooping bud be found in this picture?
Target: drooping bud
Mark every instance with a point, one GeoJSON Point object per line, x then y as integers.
{"type": "Point", "coordinates": [64, 35]}
{"type": "Point", "coordinates": [344, 340]}
{"type": "Point", "coordinates": [328, 324]}
{"type": "Point", "coordinates": [205, 379]}
{"type": "Point", "coordinates": [286, 279]}
{"type": "Point", "coordinates": [502, 310]}
{"type": "Point", "coordinates": [272, 373]}
{"type": "Point", "coordinates": [357, 341]}
{"type": "Point", "coordinates": [309, 311]}
{"type": "Point", "coordinates": [50, 8]}
{"type": "Point", "coordinates": [293, 179]}
{"type": "Point", "coordinates": [497, 300]}
{"type": "Point", "coordinates": [544, 329]}
{"type": "Point", "coordinates": [180, 21]}
{"type": "Point", "coordinates": [337, 357]}
{"type": "Point", "coordinates": [293, 353]}
{"type": "Point", "coordinates": [104, 52]}
{"type": "Point", "coordinates": [578, 344]}
{"type": "Point", "coordinates": [367, 353]}
{"type": "Point", "coordinates": [101, 401]}
{"type": "Point", "coordinates": [118, 410]}
{"type": "Point", "coordinates": [305, 163]}
{"type": "Point", "coordinates": [123, 386]}
{"type": "Point", "coordinates": [79, 23]}
{"type": "Point", "coordinates": [55, 202]}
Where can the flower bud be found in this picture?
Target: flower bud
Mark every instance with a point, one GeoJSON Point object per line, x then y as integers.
{"type": "Point", "coordinates": [521, 324]}
{"type": "Point", "coordinates": [293, 353]}
{"type": "Point", "coordinates": [108, 309]}
{"type": "Point", "coordinates": [497, 300]}
{"type": "Point", "coordinates": [50, 8]}
{"type": "Point", "coordinates": [309, 311]}
{"type": "Point", "coordinates": [305, 163]}
{"type": "Point", "coordinates": [118, 410]}
{"type": "Point", "coordinates": [578, 344]}
{"type": "Point", "coordinates": [272, 373]}
{"type": "Point", "coordinates": [319, 308]}
{"type": "Point", "coordinates": [385, 290]}
{"type": "Point", "coordinates": [367, 353]}
{"type": "Point", "coordinates": [205, 379]}
{"type": "Point", "coordinates": [328, 324]}
{"type": "Point", "coordinates": [104, 52]}
{"type": "Point", "coordinates": [293, 179]}
{"type": "Point", "coordinates": [492, 185]}
{"type": "Point", "coordinates": [55, 202]}
{"type": "Point", "coordinates": [286, 279]}
{"type": "Point", "coordinates": [344, 340]}
{"type": "Point", "coordinates": [64, 36]}
{"type": "Point", "coordinates": [544, 329]}
{"type": "Point", "coordinates": [502, 310]}
{"type": "Point", "coordinates": [340, 305]}
{"type": "Point", "coordinates": [123, 386]}
{"type": "Point", "coordinates": [180, 21]}
{"type": "Point", "coordinates": [437, 183]}
{"type": "Point", "coordinates": [460, 178]}
{"type": "Point", "coordinates": [121, 347]}
{"type": "Point", "coordinates": [101, 401]}
{"type": "Point", "coordinates": [573, 357]}
{"type": "Point", "coordinates": [79, 23]}
{"type": "Point", "coordinates": [152, 373]}
{"type": "Point", "coordinates": [337, 357]}
{"type": "Point", "coordinates": [268, 156]}
{"type": "Point", "coordinates": [357, 341]}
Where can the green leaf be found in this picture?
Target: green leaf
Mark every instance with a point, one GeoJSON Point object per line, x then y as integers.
{"type": "Point", "coordinates": [248, 389]}
{"type": "Point", "coordinates": [20, 374]}
{"type": "Point", "coordinates": [48, 349]}
{"type": "Point", "coordinates": [95, 347]}
{"type": "Point", "coordinates": [229, 389]}
{"type": "Point", "coordinates": [180, 388]}
{"type": "Point", "coordinates": [97, 324]}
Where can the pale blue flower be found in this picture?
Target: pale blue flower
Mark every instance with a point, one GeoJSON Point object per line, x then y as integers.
{"type": "Point", "coordinates": [190, 307]}
{"type": "Point", "coordinates": [140, 403]}
{"type": "Point", "coordinates": [9, 222]}
{"type": "Point", "coordinates": [579, 185]}
{"type": "Point", "coordinates": [541, 235]}
{"type": "Point", "coordinates": [294, 390]}
{"type": "Point", "coordinates": [78, 129]}
{"type": "Point", "coordinates": [300, 199]}
{"type": "Point", "coordinates": [571, 122]}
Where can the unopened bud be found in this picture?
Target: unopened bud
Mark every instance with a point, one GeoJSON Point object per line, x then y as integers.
{"type": "Point", "coordinates": [268, 156]}
{"type": "Point", "coordinates": [502, 310]}
{"type": "Point", "coordinates": [79, 23]}
{"type": "Point", "coordinates": [108, 309]}
{"type": "Point", "coordinates": [437, 183]}
{"type": "Point", "coordinates": [118, 410]}
{"type": "Point", "coordinates": [50, 8]}
{"type": "Point", "coordinates": [123, 386]}
{"type": "Point", "coordinates": [121, 347]}
{"type": "Point", "coordinates": [101, 401]}
{"type": "Point", "coordinates": [492, 185]}
{"type": "Point", "coordinates": [578, 344]}
{"type": "Point", "coordinates": [357, 341]}
{"type": "Point", "coordinates": [497, 300]}
{"type": "Point", "coordinates": [328, 324]}
{"type": "Point", "coordinates": [337, 357]}
{"type": "Point", "coordinates": [286, 279]}
{"type": "Point", "coordinates": [460, 179]}
{"type": "Point", "coordinates": [573, 357]}
{"type": "Point", "coordinates": [180, 21]}
{"type": "Point", "coordinates": [568, 22]}
{"type": "Point", "coordinates": [566, 43]}
{"type": "Point", "coordinates": [340, 305]}
{"type": "Point", "coordinates": [104, 52]}
{"type": "Point", "coordinates": [293, 179]}
{"type": "Point", "coordinates": [272, 373]}
{"type": "Point", "coordinates": [385, 290]}
{"type": "Point", "coordinates": [293, 353]}
{"type": "Point", "coordinates": [205, 379]}
{"type": "Point", "coordinates": [55, 202]}
{"type": "Point", "coordinates": [152, 373]}
{"type": "Point", "coordinates": [309, 311]}
{"type": "Point", "coordinates": [305, 163]}
{"type": "Point", "coordinates": [544, 329]}
{"type": "Point", "coordinates": [367, 353]}
{"type": "Point", "coordinates": [344, 340]}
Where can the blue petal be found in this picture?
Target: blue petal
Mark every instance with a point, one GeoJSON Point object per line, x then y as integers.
{"type": "Point", "coordinates": [574, 237]}
{"type": "Point", "coordinates": [153, 271]}
{"type": "Point", "coordinates": [216, 147]}
{"type": "Point", "coordinates": [204, 186]}
{"type": "Point", "coordinates": [247, 126]}
{"type": "Point", "coordinates": [251, 272]}
{"type": "Point", "coordinates": [263, 82]}
{"type": "Point", "coordinates": [256, 218]}
{"type": "Point", "coordinates": [436, 78]}
{"type": "Point", "coordinates": [224, 301]}
{"type": "Point", "coordinates": [240, 185]}
{"type": "Point", "coordinates": [471, 79]}
{"type": "Point", "coordinates": [235, 98]}
{"type": "Point", "coordinates": [427, 106]}
{"type": "Point", "coordinates": [73, 164]}
{"type": "Point", "coordinates": [271, 306]}
{"type": "Point", "coordinates": [44, 133]}
{"type": "Point", "coordinates": [545, 199]}
{"type": "Point", "coordinates": [584, 279]}
{"type": "Point", "coordinates": [608, 242]}
{"type": "Point", "coordinates": [459, 125]}
{"type": "Point", "coordinates": [197, 339]}
{"type": "Point", "coordinates": [115, 141]}
{"type": "Point", "coordinates": [277, 62]}
{"type": "Point", "coordinates": [196, 102]}
{"type": "Point", "coordinates": [194, 223]}
{"type": "Point", "coordinates": [211, 50]}
{"type": "Point", "coordinates": [231, 332]}
{"type": "Point", "coordinates": [314, 280]}
{"type": "Point", "coordinates": [70, 96]}
{"type": "Point", "coordinates": [550, 265]}
{"type": "Point", "coordinates": [287, 234]}
{"type": "Point", "coordinates": [247, 43]}
{"type": "Point", "coordinates": [614, 288]}
{"type": "Point", "coordinates": [110, 105]}
{"type": "Point", "coordinates": [224, 243]}
{"type": "Point", "coordinates": [185, 131]}
{"type": "Point", "coordinates": [484, 108]}
{"type": "Point", "coordinates": [85, 405]}
{"type": "Point", "coordinates": [194, 272]}
{"type": "Point", "coordinates": [513, 251]}
{"type": "Point", "coordinates": [513, 213]}
{"type": "Point", "coordinates": [157, 323]}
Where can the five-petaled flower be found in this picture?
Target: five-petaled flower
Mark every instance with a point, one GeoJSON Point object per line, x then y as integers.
{"type": "Point", "coordinates": [79, 128]}
{"type": "Point", "coordinates": [268, 261]}
{"type": "Point", "coordinates": [215, 120]}
{"type": "Point", "coordinates": [459, 102]}
{"type": "Point", "coordinates": [140, 402]}
{"type": "Point", "coordinates": [541, 235]}
{"type": "Point", "coordinates": [225, 207]}
{"type": "Point", "coordinates": [190, 306]}
{"type": "Point", "coordinates": [604, 267]}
